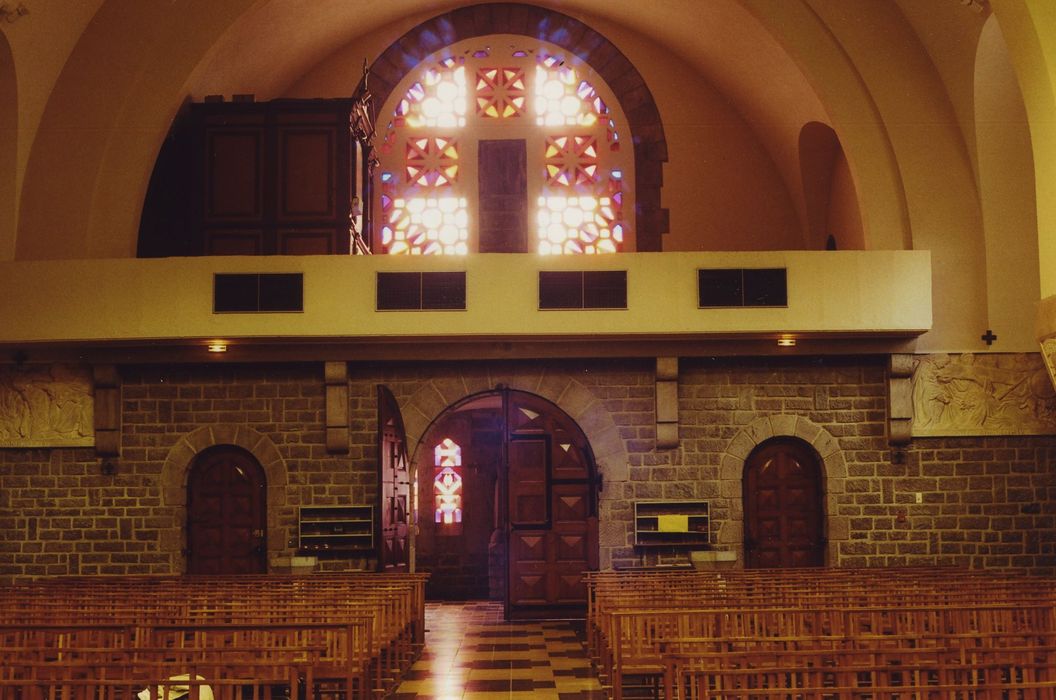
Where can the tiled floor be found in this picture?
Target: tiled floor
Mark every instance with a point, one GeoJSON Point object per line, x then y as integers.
{"type": "Point", "coordinates": [472, 654]}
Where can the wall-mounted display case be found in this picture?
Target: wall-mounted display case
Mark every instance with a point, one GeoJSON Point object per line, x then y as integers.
{"type": "Point", "coordinates": [335, 530]}
{"type": "Point", "coordinates": [683, 524]}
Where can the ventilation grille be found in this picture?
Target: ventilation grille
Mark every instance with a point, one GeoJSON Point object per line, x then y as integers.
{"type": "Point", "coordinates": [254, 293]}
{"type": "Point", "coordinates": [604, 289]}
{"type": "Point", "coordinates": [737, 287]}
{"type": "Point", "coordinates": [421, 291]}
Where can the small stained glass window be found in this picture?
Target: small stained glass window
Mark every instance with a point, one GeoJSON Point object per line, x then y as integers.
{"type": "Point", "coordinates": [447, 486]}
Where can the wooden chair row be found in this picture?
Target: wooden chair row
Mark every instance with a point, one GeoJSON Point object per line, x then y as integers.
{"type": "Point", "coordinates": [852, 674]}
{"type": "Point", "coordinates": [638, 620]}
{"type": "Point", "coordinates": [350, 634]}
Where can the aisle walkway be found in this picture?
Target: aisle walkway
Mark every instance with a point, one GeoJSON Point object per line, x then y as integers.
{"type": "Point", "coordinates": [471, 653]}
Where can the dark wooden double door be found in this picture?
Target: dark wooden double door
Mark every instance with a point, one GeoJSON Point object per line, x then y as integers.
{"type": "Point", "coordinates": [226, 513]}
{"type": "Point", "coordinates": [784, 521]}
{"type": "Point", "coordinates": [530, 495]}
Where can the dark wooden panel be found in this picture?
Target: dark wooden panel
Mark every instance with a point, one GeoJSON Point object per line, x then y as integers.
{"type": "Point", "coordinates": [394, 487]}
{"type": "Point", "coordinates": [306, 173]}
{"type": "Point", "coordinates": [234, 242]}
{"type": "Point", "coordinates": [234, 175]}
{"type": "Point", "coordinates": [528, 481]}
{"type": "Point", "coordinates": [784, 515]}
{"type": "Point", "coordinates": [282, 169]}
{"type": "Point", "coordinates": [503, 188]}
{"type": "Point", "coordinates": [226, 514]}
{"type": "Point", "coordinates": [306, 242]}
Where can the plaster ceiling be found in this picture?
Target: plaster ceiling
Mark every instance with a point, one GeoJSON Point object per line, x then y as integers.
{"type": "Point", "coordinates": [277, 41]}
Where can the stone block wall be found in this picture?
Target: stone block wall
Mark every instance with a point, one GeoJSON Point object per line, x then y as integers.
{"type": "Point", "coordinates": [985, 502]}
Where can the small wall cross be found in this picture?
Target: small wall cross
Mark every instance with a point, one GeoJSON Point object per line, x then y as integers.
{"type": "Point", "coordinates": [988, 337]}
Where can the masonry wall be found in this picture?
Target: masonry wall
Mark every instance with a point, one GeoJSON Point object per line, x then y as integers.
{"type": "Point", "coordinates": [986, 502]}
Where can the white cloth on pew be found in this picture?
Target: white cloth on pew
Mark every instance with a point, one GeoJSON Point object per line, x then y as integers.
{"type": "Point", "coordinates": [175, 691]}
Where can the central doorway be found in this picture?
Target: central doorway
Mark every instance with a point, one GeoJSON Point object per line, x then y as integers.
{"type": "Point", "coordinates": [507, 505]}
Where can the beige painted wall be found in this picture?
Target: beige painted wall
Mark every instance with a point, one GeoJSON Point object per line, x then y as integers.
{"type": "Point", "coordinates": [863, 292]}
{"type": "Point", "coordinates": [89, 127]}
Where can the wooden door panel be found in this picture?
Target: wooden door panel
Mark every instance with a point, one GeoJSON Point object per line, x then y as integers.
{"type": "Point", "coordinates": [226, 514]}
{"type": "Point", "coordinates": [570, 549]}
{"type": "Point", "coordinates": [570, 589]}
{"type": "Point", "coordinates": [394, 485]}
{"type": "Point", "coordinates": [784, 520]}
{"type": "Point", "coordinates": [503, 189]}
{"type": "Point", "coordinates": [528, 481]}
{"type": "Point", "coordinates": [539, 434]}
{"type": "Point", "coordinates": [305, 241]}
{"type": "Point", "coordinates": [529, 589]}
{"type": "Point", "coordinates": [569, 461]}
{"type": "Point", "coordinates": [523, 419]}
{"type": "Point", "coordinates": [529, 549]}
{"type": "Point", "coordinates": [234, 174]}
{"type": "Point", "coordinates": [570, 507]}
{"type": "Point", "coordinates": [306, 172]}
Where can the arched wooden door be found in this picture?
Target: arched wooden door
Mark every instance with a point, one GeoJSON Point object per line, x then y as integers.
{"type": "Point", "coordinates": [552, 510]}
{"type": "Point", "coordinates": [226, 513]}
{"type": "Point", "coordinates": [784, 518]}
{"type": "Point", "coordinates": [394, 486]}
{"type": "Point", "coordinates": [526, 527]}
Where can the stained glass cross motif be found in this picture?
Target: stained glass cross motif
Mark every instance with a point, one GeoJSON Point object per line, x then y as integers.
{"type": "Point", "coordinates": [432, 161]}
{"type": "Point", "coordinates": [501, 92]}
{"type": "Point", "coordinates": [571, 160]}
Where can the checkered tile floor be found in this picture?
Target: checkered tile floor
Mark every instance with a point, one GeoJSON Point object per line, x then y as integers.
{"type": "Point", "coordinates": [471, 653]}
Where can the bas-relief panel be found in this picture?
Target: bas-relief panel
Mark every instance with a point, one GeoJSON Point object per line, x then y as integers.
{"type": "Point", "coordinates": [997, 394]}
{"type": "Point", "coordinates": [46, 407]}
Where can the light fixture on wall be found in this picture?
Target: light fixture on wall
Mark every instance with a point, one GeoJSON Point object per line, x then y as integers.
{"type": "Point", "coordinates": [108, 468]}
{"type": "Point", "coordinates": [216, 346]}
{"type": "Point", "coordinates": [786, 341]}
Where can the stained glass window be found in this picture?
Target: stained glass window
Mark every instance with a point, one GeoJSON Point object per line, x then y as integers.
{"type": "Point", "coordinates": [447, 483]}
{"type": "Point", "coordinates": [504, 88]}
{"type": "Point", "coordinates": [501, 92]}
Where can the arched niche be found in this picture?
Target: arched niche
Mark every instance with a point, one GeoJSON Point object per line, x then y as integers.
{"type": "Point", "coordinates": [181, 458]}
{"type": "Point", "coordinates": [832, 463]}
{"type": "Point", "coordinates": [828, 190]}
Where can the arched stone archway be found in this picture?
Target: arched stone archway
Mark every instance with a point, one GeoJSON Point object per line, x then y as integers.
{"type": "Point", "coordinates": [643, 115]}
{"type": "Point", "coordinates": [570, 395]}
{"type": "Point", "coordinates": [177, 467]}
{"type": "Point", "coordinates": [833, 465]}
{"type": "Point", "coordinates": [565, 392]}
{"type": "Point", "coordinates": [508, 503]}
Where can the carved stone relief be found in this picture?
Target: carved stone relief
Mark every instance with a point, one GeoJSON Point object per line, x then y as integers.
{"type": "Point", "coordinates": [994, 394]}
{"type": "Point", "coordinates": [46, 406]}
